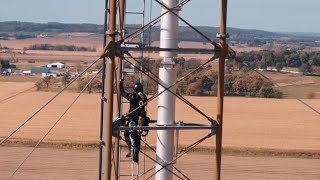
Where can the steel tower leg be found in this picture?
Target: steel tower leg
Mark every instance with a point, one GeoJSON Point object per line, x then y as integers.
{"type": "Point", "coordinates": [220, 97]}
{"type": "Point", "coordinates": [103, 102]}
{"type": "Point", "coordinates": [108, 108]}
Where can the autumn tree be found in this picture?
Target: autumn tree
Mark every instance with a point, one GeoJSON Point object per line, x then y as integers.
{"type": "Point", "coordinates": [66, 78]}
{"type": "Point", "coordinates": [44, 83]}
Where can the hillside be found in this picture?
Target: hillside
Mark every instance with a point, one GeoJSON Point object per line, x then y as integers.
{"type": "Point", "coordinates": [21, 30]}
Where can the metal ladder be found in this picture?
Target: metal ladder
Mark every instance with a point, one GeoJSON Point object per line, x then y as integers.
{"type": "Point", "coordinates": [124, 163]}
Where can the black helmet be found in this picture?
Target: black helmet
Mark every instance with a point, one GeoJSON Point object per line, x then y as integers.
{"type": "Point", "coordinates": [138, 87]}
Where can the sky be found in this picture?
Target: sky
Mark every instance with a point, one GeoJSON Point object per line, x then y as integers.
{"type": "Point", "coordinates": [269, 15]}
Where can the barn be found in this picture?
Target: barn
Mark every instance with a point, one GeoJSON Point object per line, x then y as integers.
{"type": "Point", "coordinates": [56, 65]}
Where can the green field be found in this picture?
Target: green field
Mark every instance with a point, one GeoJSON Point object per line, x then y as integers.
{"type": "Point", "coordinates": [300, 91]}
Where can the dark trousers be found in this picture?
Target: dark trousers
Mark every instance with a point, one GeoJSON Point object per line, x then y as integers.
{"type": "Point", "coordinates": [136, 138]}
{"type": "Point", "coordinates": [135, 135]}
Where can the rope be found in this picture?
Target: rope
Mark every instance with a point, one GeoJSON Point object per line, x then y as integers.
{"type": "Point", "coordinates": [62, 115]}
{"type": "Point", "coordinates": [14, 95]}
{"type": "Point", "coordinates": [49, 101]}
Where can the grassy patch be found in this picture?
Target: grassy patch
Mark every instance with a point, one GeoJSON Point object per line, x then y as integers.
{"type": "Point", "coordinates": [19, 78]}
{"type": "Point", "coordinates": [230, 151]}
{"type": "Point", "coordinates": [301, 91]}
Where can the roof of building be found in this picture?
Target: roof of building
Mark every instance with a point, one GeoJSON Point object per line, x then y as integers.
{"type": "Point", "coordinates": [56, 63]}
{"type": "Point", "coordinates": [39, 70]}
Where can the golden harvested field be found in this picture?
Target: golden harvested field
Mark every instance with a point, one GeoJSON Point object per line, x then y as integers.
{"type": "Point", "coordinates": [284, 124]}
{"type": "Point", "coordinates": [86, 40]}
{"type": "Point", "coordinates": [250, 124]}
{"type": "Point", "coordinates": [50, 164]}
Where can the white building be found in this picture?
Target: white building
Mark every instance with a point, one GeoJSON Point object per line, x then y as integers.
{"type": "Point", "coordinates": [26, 72]}
{"type": "Point", "coordinates": [129, 70]}
{"type": "Point", "coordinates": [56, 65]}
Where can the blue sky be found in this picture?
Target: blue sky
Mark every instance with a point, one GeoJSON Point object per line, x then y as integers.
{"type": "Point", "coordinates": [270, 15]}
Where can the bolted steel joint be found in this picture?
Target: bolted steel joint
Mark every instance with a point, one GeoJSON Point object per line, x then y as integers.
{"type": "Point", "coordinates": [119, 50]}
{"type": "Point", "coordinates": [112, 33]}
{"type": "Point", "coordinates": [222, 36]}
{"type": "Point", "coordinates": [214, 128]}
{"type": "Point", "coordinates": [102, 143]}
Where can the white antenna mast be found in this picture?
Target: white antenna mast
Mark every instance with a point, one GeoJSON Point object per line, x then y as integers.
{"type": "Point", "coordinates": [166, 101]}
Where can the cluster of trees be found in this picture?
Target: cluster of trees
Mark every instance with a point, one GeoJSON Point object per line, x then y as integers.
{"type": "Point", "coordinates": [201, 83]}
{"type": "Point", "coordinates": [15, 26]}
{"type": "Point", "coordinates": [204, 82]}
{"type": "Point", "coordinates": [6, 64]}
{"type": "Point", "coordinates": [51, 47]}
{"type": "Point", "coordinates": [248, 83]}
{"type": "Point", "coordinates": [51, 83]}
{"type": "Point", "coordinates": [44, 83]}
{"type": "Point", "coordinates": [237, 83]}
{"type": "Point", "coordinates": [6, 36]}
{"type": "Point", "coordinates": [306, 61]}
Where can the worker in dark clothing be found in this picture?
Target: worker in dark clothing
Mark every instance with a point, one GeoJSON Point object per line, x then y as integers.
{"type": "Point", "coordinates": [136, 99]}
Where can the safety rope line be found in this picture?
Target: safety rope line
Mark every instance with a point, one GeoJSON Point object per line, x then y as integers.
{"type": "Point", "coordinates": [47, 133]}
{"type": "Point", "coordinates": [300, 100]}
{"type": "Point", "coordinates": [155, 161]}
{"type": "Point", "coordinates": [14, 95]}
{"type": "Point", "coordinates": [184, 151]}
{"type": "Point", "coordinates": [152, 23]}
{"type": "Point", "coordinates": [167, 88]}
{"type": "Point", "coordinates": [50, 100]}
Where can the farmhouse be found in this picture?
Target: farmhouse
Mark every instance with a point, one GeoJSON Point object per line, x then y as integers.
{"type": "Point", "coordinates": [56, 65]}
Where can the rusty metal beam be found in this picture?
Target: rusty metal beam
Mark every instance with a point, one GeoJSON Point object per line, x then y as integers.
{"type": "Point", "coordinates": [121, 4]}
{"type": "Point", "coordinates": [109, 81]}
{"type": "Point", "coordinates": [220, 96]}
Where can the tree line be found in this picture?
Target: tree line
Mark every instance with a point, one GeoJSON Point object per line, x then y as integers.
{"type": "Point", "coordinates": [51, 47]}
{"type": "Point", "coordinates": [306, 61]}
{"type": "Point", "coordinates": [204, 82]}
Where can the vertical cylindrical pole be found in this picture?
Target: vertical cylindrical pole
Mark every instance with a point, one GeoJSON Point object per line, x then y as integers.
{"type": "Point", "coordinates": [119, 112]}
{"type": "Point", "coordinates": [110, 64]}
{"type": "Point", "coordinates": [102, 118]}
{"type": "Point", "coordinates": [166, 116]}
{"type": "Point", "coordinates": [119, 76]}
{"type": "Point", "coordinates": [222, 42]}
{"type": "Point", "coordinates": [166, 101]}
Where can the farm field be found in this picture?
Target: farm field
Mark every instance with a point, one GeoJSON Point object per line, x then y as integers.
{"type": "Point", "coordinates": [261, 137]}
{"type": "Point", "coordinates": [295, 85]}
{"type": "Point", "coordinates": [52, 164]}
{"type": "Point", "coordinates": [84, 40]}
{"type": "Point", "coordinates": [284, 124]}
